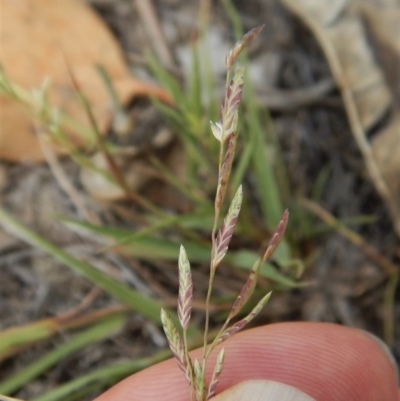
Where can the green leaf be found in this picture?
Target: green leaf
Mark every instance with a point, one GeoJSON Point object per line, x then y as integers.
{"type": "Point", "coordinates": [98, 378]}
{"type": "Point", "coordinates": [99, 331]}
{"type": "Point", "coordinates": [148, 307]}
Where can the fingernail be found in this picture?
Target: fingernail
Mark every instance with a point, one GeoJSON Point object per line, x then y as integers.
{"type": "Point", "coordinates": [386, 350]}
{"type": "Point", "coordinates": [262, 390]}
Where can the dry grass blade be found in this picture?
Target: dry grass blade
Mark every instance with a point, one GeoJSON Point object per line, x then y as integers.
{"type": "Point", "coordinates": [185, 289]}
{"type": "Point", "coordinates": [175, 344]}
{"type": "Point", "coordinates": [241, 323]}
{"type": "Point", "coordinates": [228, 226]}
{"type": "Point", "coordinates": [215, 376]}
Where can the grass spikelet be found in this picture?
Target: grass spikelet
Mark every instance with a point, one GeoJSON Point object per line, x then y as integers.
{"type": "Point", "coordinates": [216, 129]}
{"type": "Point", "coordinates": [277, 236]}
{"type": "Point", "coordinates": [228, 226]}
{"type": "Point", "coordinates": [243, 322]}
{"type": "Point", "coordinates": [240, 45]}
{"type": "Point", "coordinates": [199, 383]}
{"type": "Point", "coordinates": [225, 172]}
{"type": "Point", "coordinates": [231, 104]}
{"type": "Point", "coordinates": [176, 344]}
{"type": "Point", "coordinates": [215, 376]}
{"type": "Point", "coordinates": [247, 290]}
{"type": "Point", "coordinates": [185, 289]}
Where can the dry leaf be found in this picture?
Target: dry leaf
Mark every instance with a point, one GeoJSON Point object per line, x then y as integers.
{"type": "Point", "coordinates": [36, 37]}
{"type": "Point", "coordinates": [383, 18]}
{"type": "Point", "coordinates": [364, 83]}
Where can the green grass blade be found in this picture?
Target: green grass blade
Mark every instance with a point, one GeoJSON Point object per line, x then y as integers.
{"type": "Point", "coordinates": [268, 189]}
{"type": "Point", "coordinates": [146, 306]}
{"type": "Point", "coordinates": [165, 79]}
{"type": "Point", "coordinates": [246, 259]}
{"type": "Point", "coordinates": [147, 247]}
{"type": "Point", "coordinates": [79, 341]}
{"type": "Point", "coordinates": [15, 339]}
{"type": "Point", "coordinates": [150, 248]}
{"type": "Point", "coordinates": [235, 20]}
{"type": "Point", "coordinates": [243, 163]}
{"type": "Point", "coordinates": [202, 220]}
{"type": "Point", "coordinates": [100, 378]}
{"type": "Point", "coordinates": [263, 170]}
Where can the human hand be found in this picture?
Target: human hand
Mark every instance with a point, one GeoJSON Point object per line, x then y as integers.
{"type": "Point", "coordinates": [326, 361]}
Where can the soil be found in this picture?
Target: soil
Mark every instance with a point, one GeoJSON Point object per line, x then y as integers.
{"type": "Point", "coordinates": [322, 162]}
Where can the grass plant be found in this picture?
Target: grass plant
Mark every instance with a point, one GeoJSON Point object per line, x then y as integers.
{"type": "Point", "coordinates": [226, 133]}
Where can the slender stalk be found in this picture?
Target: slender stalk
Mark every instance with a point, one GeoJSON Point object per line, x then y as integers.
{"type": "Point", "coordinates": [215, 341]}
{"type": "Point", "coordinates": [212, 267]}
{"type": "Point", "coordinates": [213, 239]}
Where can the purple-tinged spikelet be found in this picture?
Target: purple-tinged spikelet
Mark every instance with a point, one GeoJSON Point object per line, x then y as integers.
{"type": "Point", "coordinates": [175, 344]}
{"type": "Point", "coordinates": [240, 45]}
{"type": "Point", "coordinates": [185, 289]}
{"type": "Point", "coordinates": [228, 226]}
{"type": "Point", "coordinates": [241, 323]}
{"type": "Point", "coordinates": [216, 373]}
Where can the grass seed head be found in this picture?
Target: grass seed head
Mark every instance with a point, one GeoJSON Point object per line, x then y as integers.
{"type": "Point", "coordinates": [185, 289]}
{"type": "Point", "coordinates": [240, 45]}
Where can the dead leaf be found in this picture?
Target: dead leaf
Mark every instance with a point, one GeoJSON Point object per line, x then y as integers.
{"type": "Point", "coordinates": [383, 18]}
{"type": "Point", "coordinates": [365, 85]}
{"type": "Point", "coordinates": [36, 37]}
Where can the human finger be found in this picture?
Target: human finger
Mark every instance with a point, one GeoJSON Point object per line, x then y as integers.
{"type": "Point", "coordinates": [326, 361]}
